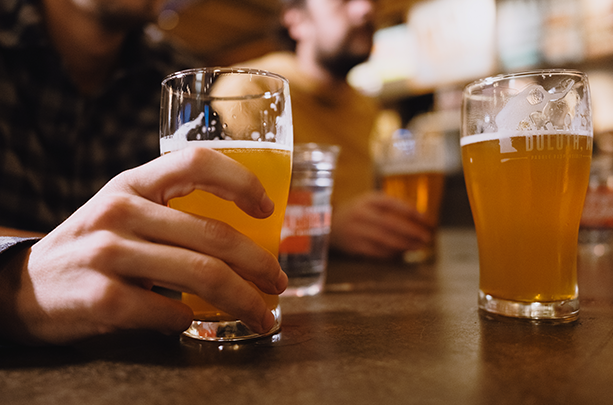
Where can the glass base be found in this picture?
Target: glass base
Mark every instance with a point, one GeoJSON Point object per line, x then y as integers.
{"type": "Point", "coordinates": [305, 286]}
{"type": "Point", "coordinates": [548, 312]}
{"type": "Point", "coordinates": [419, 256]}
{"type": "Point", "coordinates": [229, 331]}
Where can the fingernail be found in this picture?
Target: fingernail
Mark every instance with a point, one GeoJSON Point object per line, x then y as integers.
{"type": "Point", "coordinates": [268, 322]}
{"type": "Point", "coordinates": [266, 204]}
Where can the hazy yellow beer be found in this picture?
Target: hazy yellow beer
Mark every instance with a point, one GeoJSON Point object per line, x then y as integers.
{"type": "Point", "coordinates": [526, 142]}
{"type": "Point", "coordinates": [527, 204]}
{"type": "Point", "coordinates": [272, 165]}
{"type": "Point", "coordinates": [245, 114]}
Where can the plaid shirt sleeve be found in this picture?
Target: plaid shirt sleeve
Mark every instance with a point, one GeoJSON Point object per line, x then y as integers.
{"type": "Point", "coordinates": [57, 146]}
{"type": "Point", "coordinates": [8, 242]}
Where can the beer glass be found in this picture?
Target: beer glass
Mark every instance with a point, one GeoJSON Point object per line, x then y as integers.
{"type": "Point", "coordinates": [412, 168]}
{"type": "Point", "coordinates": [245, 114]}
{"type": "Point", "coordinates": [526, 142]}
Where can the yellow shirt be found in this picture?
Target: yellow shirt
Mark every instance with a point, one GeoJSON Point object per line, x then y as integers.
{"type": "Point", "coordinates": [341, 116]}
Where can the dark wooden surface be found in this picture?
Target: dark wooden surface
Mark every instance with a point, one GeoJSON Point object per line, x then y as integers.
{"type": "Point", "coordinates": [382, 333]}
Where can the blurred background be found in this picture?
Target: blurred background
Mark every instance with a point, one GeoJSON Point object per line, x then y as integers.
{"type": "Point", "coordinates": [425, 51]}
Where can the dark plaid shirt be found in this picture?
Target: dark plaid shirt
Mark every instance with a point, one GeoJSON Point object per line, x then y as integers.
{"type": "Point", "coordinates": [57, 146]}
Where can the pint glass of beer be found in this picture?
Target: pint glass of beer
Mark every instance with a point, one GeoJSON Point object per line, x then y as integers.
{"type": "Point", "coordinates": [245, 114]}
{"type": "Point", "coordinates": [412, 168]}
{"type": "Point", "coordinates": [526, 143]}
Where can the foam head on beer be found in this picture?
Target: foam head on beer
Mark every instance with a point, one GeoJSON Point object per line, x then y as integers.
{"type": "Point", "coordinates": [532, 108]}
{"type": "Point", "coordinates": [224, 104]}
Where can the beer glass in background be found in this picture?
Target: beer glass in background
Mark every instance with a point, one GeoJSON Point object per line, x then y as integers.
{"type": "Point", "coordinates": [526, 143]}
{"type": "Point", "coordinates": [305, 237]}
{"type": "Point", "coordinates": [412, 168]}
{"type": "Point", "coordinates": [245, 114]}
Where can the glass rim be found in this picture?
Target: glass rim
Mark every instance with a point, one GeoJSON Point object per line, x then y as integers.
{"type": "Point", "coordinates": [486, 81]}
{"type": "Point", "coordinates": [226, 70]}
{"type": "Point", "coordinates": [314, 146]}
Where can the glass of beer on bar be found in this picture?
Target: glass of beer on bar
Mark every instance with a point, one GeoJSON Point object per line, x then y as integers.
{"type": "Point", "coordinates": [412, 168]}
{"type": "Point", "coordinates": [245, 114]}
{"type": "Point", "coordinates": [526, 142]}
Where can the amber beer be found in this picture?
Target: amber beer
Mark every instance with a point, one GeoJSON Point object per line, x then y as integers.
{"type": "Point", "coordinates": [424, 191]}
{"type": "Point", "coordinates": [413, 172]}
{"type": "Point", "coordinates": [271, 163]}
{"type": "Point", "coordinates": [526, 204]}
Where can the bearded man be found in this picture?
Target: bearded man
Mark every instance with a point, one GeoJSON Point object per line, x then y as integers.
{"type": "Point", "coordinates": [329, 38]}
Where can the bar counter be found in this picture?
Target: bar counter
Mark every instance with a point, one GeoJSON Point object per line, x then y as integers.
{"type": "Point", "coordinates": [382, 333]}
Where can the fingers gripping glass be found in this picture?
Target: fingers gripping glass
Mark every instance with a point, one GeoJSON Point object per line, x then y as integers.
{"type": "Point", "coordinates": [245, 114]}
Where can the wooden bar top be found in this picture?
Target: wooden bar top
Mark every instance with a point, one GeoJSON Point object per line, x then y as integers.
{"type": "Point", "coordinates": [381, 333]}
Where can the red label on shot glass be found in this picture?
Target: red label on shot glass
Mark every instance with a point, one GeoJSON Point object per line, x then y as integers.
{"type": "Point", "coordinates": [303, 220]}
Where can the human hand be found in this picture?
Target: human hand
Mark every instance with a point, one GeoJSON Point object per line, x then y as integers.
{"type": "Point", "coordinates": [93, 273]}
{"type": "Point", "coordinates": [378, 226]}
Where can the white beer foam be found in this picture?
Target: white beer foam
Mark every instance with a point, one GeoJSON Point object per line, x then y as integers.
{"type": "Point", "coordinates": [170, 144]}
{"type": "Point", "coordinates": [505, 135]}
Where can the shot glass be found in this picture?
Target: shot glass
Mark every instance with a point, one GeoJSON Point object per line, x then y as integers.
{"type": "Point", "coordinates": [303, 253]}
{"type": "Point", "coordinates": [245, 114]}
{"type": "Point", "coordinates": [526, 142]}
{"type": "Point", "coordinates": [412, 168]}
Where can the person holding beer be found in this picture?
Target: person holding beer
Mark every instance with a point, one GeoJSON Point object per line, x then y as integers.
{"type": "Point", "coordinates": [93, 273]}
{"type": "Point", "coordinates": [80, 105]}
{"type": "Point", "coordinates": [327, 38]}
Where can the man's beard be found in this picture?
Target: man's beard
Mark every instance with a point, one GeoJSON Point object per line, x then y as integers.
{"type": "Point", "coordinates": [341, 63]}
{"type": "Point", "coordinates": [346, 57]}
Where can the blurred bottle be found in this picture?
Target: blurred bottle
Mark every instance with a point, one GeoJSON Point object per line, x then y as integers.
{"type": "Point", "coordinates": [596, 230]}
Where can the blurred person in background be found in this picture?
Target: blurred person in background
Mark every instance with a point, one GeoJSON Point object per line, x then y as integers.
{"type": "Point", "coordinates": [79, 106]}
{"type": "Point", "coordinates": [79, 102]}
{"type": "Point", "coordinates": [327, 39]}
